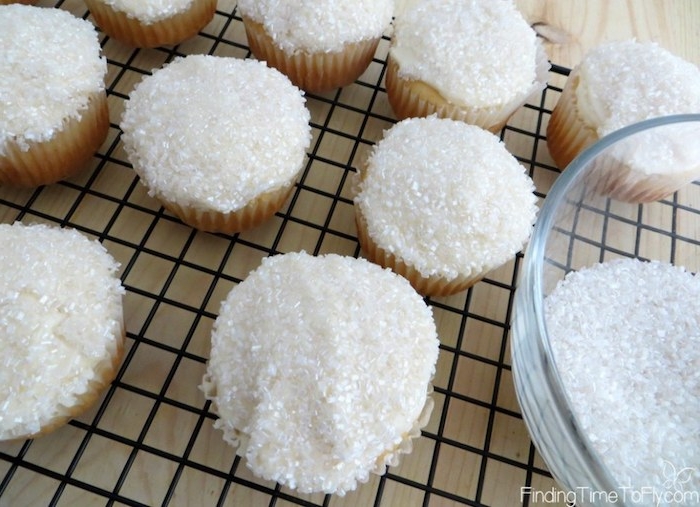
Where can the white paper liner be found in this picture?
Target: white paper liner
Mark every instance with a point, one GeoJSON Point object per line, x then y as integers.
{"type": "Point", "coordinates": [649, 166]}
{"type": "Point", "coordinates": [567, 133]}
{"type": "Point", "coordinates": [168, 31]}
{"type": "Point", "coordinates": [251, 215]}
{"type": "Point", "coordinates": [313, 72]}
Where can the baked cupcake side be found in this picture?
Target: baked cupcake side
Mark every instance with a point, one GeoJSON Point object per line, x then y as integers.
{"type": "Point", "coordinates": [442, 203]}
{"type": "Point", "coordinates": [477, 62]}
{"type": "Point", "coordinates": [354, 342]}
{"type": "Point", "coordinates": [55, 115]}
{"type": "Point", "coordinates": [61, 327]}
{"type": "Point", "coordinates": [207, 141]}
{"type": "Point", "coordinates": [151, 23]}
{"type": "Point", "coordinates": [319, 45]}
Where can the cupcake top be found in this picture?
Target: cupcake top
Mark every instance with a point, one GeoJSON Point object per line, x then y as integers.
{"type": "Point", "coordinates": [624, 82]}
{"type": "Point", "coordinates": [203, 132]}
{"type": "Point", "coordinates": [51, 65]}
{"type": "Point", "coordinates": [474, 53]}
{"type": "Point", "coordinates": [446, 197]}
{"type": "Point", "coordinates": [149, 11]}
{"type": "Point", "coordinates": [352, 341]}
{"type": "Point", "coordinates": [60, 312]}
{"type": "Point", "coordinates": [319, 25]}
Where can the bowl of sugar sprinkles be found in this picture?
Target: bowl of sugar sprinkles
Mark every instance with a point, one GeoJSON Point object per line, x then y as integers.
{"type": "Point", "coordinates": [606, 324]}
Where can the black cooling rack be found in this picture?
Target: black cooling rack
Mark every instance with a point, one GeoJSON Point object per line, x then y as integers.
{"type": "Point", "coordinates": [149, 440]}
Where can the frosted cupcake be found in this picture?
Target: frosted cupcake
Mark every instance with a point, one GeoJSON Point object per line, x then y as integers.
{"type": "Point", "coordinates": [476, 61]}
{"type": "Point", "coordinates": [53, 111]}
{"type": "Point", "coordinates": [319, 44]}
{"type": "Point", "coordinates": [442, 203]}
{"type": "Point", "coordinates": [320, 370]}
{"type": "Point", "coordinates": [208, 141]}
{"type": "Point", "coordinates": [618, 84]}
{"type": "Point", "coordinates": [60, 327]}
{"type": "Point", "coordinates": [151, 23]}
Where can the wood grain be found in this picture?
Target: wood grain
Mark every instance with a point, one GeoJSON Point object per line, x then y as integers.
{"type": "Point", "coordinates": [571, 27]}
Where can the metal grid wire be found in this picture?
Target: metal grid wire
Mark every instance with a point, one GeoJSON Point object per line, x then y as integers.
{"type": "Point", "coordinates": [149, 440]}
{"type": "Point", "coordinates": [593, 228]}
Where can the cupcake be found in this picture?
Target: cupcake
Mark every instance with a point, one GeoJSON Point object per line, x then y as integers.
{"type": "Point", "coordinates": [476, 61]}
{"type": "Point", "coordinates": [442, 203]}
{"type": "Point", "coordinates": [320, 370]}
{"type": "Point", "coordinates": [151, 23]}
{"type": "Point", "coordinates": [615, 85]}
{"type": "Point", "coordinates": [60, 326]}
{"type": "Point", "coordinates": [319, 44]}
{"type": "Point", "coordinates": [207, 140]}
{"type": "Point", "coordinates": [53, 111]}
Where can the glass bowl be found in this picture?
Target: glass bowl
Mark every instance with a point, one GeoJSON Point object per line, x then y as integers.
{"type": "Point", "coordinates": [579, 225]}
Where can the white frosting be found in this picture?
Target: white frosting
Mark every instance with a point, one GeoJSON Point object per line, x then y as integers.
{"type": "Point", "coordinates": [203, 131]}
{"type": "Point", "coordinates": [51, 64]}
{"type": "Point", "coordinates": [446, 197]}
{"type": "Point", "coordinates": [624, 336]}
{"type": "Point", "coordinates": [475, 53]}
{"type": "Point", "coordinates": [60, 317]}
{"type": "Point", "coordinates": [669, 150]}
{"type": "Point", "coordinates": [320, 369]}
{"type": "Point", "coordinates": [624, 82]}
{"type": "Point", "coordinates": [150, 11]}
{"type": "Point", "coordinates": [319, 25]}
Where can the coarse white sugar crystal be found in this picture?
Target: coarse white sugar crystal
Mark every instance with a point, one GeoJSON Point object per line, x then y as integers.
{"type": "Point", "coordinates": [445, 197]}
{"type": "Point", "coordinates": [319, 25]}
{"type": "Point", "coordinates": [60, 317]}
{"type": "Point", "coordinates": [479, 52]}
{"type": "Point", "coordinates": [624, 82]}
{"type": "Point", "coordinates": [625, 335]}
{"type": "Point", "coordinates": [205, 131]}
{"type": "Point", "coordinates": [320, 370]}
{"type": "Point", "coordinates": [51, 65]}
{"type": "Point", "coordinates": [150, 11]}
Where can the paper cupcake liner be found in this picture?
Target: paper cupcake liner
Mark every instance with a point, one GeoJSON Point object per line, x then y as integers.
{"type": "Point", "coordinates": [312, 72]}
{"type": "Point", "coordinates": [432, 286]}
{"type": "Point", "coordinates": [64, 155]}
{"type": "Point", "coordinates": [623, 172]}
{"type": "Point", "coordinates": [415, 98]}
{"type": "Point", "coordinates": [252, 214]}
{"type": "Point", "coordinates": [612, 178]}
{"type": "Point", "coordinates": [168, 31]}
{"type": "Point", "coordinates": [567, 134]}
{"type": "Point", "coordinates": [392, 457]}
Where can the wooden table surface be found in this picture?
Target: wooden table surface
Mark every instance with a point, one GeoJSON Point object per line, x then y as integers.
{"type": "Point", "coordinates": [149, 440]}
